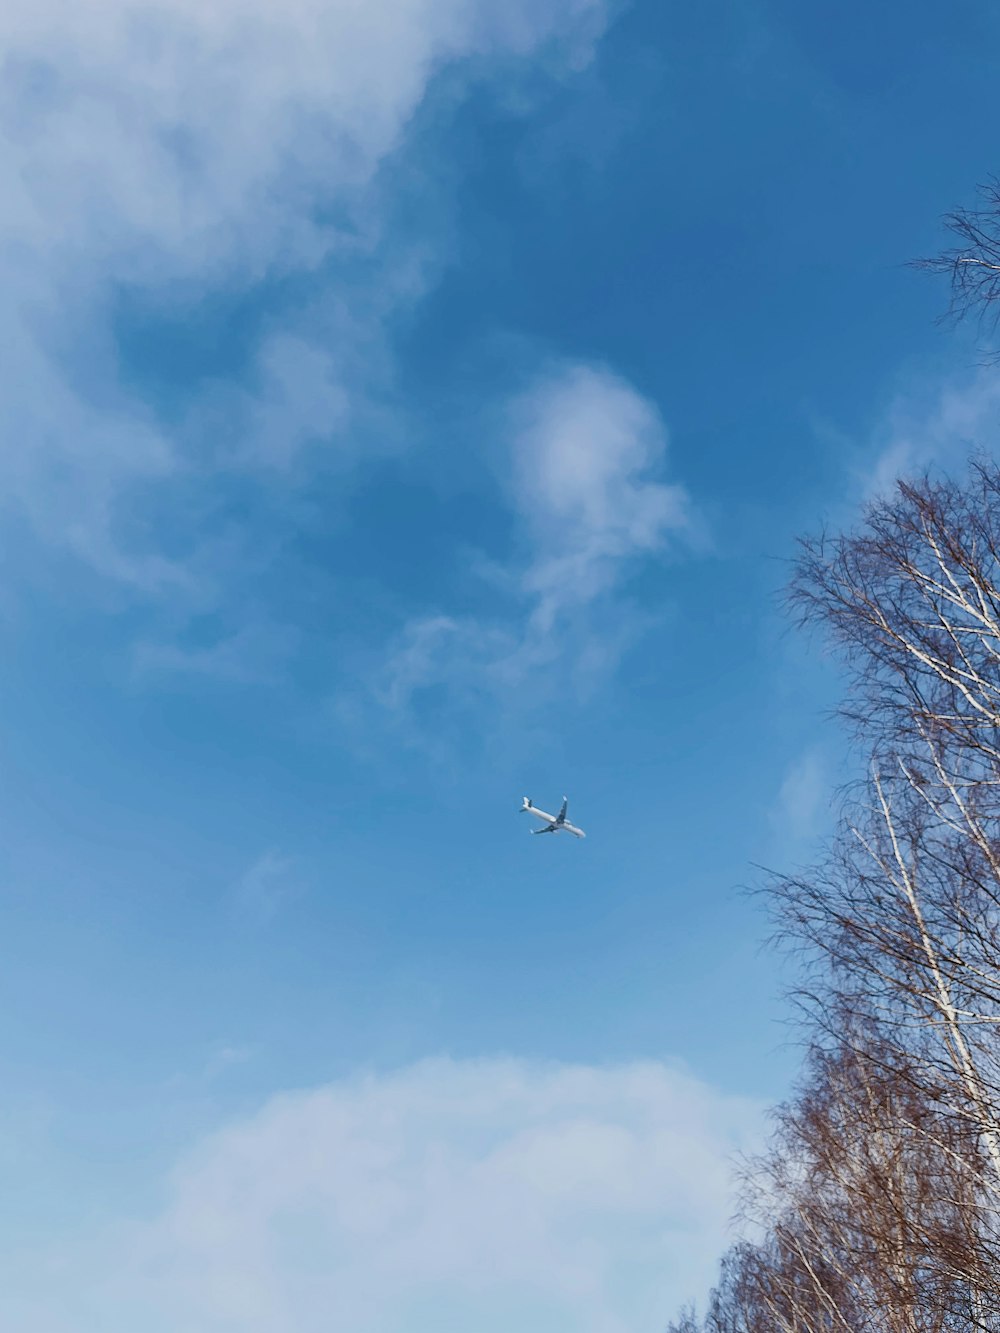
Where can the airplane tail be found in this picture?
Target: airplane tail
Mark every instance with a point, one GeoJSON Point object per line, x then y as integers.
{"type": "Point", "coordinates": [526, 803]}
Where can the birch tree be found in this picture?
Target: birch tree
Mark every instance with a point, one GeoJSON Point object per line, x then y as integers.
{"type": "Point", "coordinates": [904, 920]}
{"type": "Point", "coordinates": [901, 926]}
{"type": "Point", "coordinates": [972, 266]}
{"type": "Point", "coordinates": [867, 1208]}
{"type": "Point", "coordinates": [877, 1208]}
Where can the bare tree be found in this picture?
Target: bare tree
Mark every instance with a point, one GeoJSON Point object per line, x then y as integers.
{"type": "Point", "coordinates": [905, 917]}
{"type": "Point", "coordinates": [973, 265]}
{"type": "Point", "coordinates": [879, 1203]}
{"type": "Point", "coordinates": [878, 1192]}
{"type": "Point", "coordinates": [867, 1204]}
{"type": "Point", "coordinates": [902, 924]}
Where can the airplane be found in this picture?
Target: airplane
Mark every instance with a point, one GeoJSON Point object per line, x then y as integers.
{"type": "Point", "coordinates": [553, 823]}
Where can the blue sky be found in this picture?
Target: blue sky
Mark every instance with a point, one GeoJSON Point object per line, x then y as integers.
{"type": "Point", "coordinates": [408, 407]}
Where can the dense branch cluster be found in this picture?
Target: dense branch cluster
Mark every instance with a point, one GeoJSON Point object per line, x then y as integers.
{"type": "Point", "coordinates": [877, 1206]}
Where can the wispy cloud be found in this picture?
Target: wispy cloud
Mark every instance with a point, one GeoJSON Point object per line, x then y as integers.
{"type": "Point", "coordinates": [491, 1194]}
{"type": "Point", "coordinates": [190, 148]}
{"type": "Point", "coordinates": [934, 423]}
{"type": "Point", "coordinates": [252, 654]}
{"type": "Point", "coordinates": [271, 881]}
{"type": "Point", "coordinates": [586, 454]}
{"type": "Point", "coordinates": [588, 451]}
{"type": "Point", "coordinates": [802, 809]}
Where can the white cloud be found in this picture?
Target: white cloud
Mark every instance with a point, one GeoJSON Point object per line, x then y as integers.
{"type": "Point", "coordinates": [302, 394]}
{"type": "Point", "coordinates": [203, 136]}
{"type": "Point", "coordinates": [188, 146]}
{"type": "Point", "coordinates": [487, 1195]}
{"type": "Point", "coordinates": [586, 453]}
{"type": "Point", "coordinates": [935, 424]}
{"type": "Point", "coordinates": [587, 448]}
{"type": "Point", "coordinates": [421, 652]}
{"type": "Point", "coordinates": [67, 464]}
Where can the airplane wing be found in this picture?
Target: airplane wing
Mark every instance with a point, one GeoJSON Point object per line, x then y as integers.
{"type": "Point", "coordinates": [562, 813]}
{"type": "Point", "coordinates": [549, 828]}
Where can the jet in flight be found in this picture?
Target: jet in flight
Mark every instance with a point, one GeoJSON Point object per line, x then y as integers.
{"type": "Point", "coordinates": [553, 823]}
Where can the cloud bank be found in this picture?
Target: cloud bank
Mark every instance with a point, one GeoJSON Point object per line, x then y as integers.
{"type": "Point", "coordinates": [491, 1195]}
